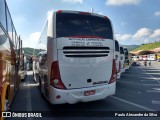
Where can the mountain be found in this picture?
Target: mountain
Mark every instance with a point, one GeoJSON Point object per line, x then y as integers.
{"type": "Point", "coordinates": [148, 46]}
{"type": "Point", "coordinates": [130, 47]}
{"type": "Point", "coordinates": [29, 51]}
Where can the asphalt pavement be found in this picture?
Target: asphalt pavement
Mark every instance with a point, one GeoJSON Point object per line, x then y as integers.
{"type": "Point", "coordinates": [137, 90]}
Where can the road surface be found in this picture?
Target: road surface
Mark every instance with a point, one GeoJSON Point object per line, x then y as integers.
{"type": "Point", "coordinates": [137, 90]}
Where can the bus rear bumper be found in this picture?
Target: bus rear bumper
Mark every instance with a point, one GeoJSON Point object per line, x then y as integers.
{"type": "Point", "coordinates": [77, 95]}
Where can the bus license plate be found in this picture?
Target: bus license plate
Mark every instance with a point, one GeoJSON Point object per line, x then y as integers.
{"type": "Point", "coordinates": [91, 92]}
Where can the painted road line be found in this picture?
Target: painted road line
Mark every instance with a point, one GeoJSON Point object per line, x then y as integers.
{"type": "Point", "coordinates": [153, 91]}
{"type": "Point", "coordinates": [147, 80]}
{"type": "Point", "coordinates": [32, 85]}
{"type": "Point", "coordinates": [129, 82]}
{"type": "Point", "coordinates": [155, 102]}
{"type": "Point", "coordinates": [151, 84]}
{"type": "Point", "coordinates": [29, 102]}
{"type": "Point", "coordinates": [150, 75]}
{"type": "Point", "coordinates": [133, 104]}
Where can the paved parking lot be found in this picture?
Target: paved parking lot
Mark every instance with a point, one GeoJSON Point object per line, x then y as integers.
{"type": "Point", "coordinates": [137, 90]}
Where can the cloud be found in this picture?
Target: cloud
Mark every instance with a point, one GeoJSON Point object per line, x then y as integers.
{"type": "Point", "coordinates": [146, 40]}
{"type": "Point", "coordinates": [142, 32]}
{"type": "Point", "coordinates": [34, 36]}
{"type": "Point", "coordinates": [32, 40]}
{"type": "Point", "coordinates": [156, 33]}
{"type": "Point", "coordinates": [157, 13]}
{"type": "Point", "coordinates": [142, 35]}
{"type": "Point", "coordinates": [146, 35]}
{"type": "Point", "coordinates": [123, 37]}
{"type": "Point", "coordinates": [122, 2]}
{"type": "Point", "coordinates": [123, 23]}
{"type": "Point", "coordinates": [73, 1]}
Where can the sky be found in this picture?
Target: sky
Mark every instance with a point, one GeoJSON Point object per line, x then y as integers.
{"type": "Point", "coordinates": [134, 22]}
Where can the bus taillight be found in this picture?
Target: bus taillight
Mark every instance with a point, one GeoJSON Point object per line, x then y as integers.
{"type": "Point", "coordinates": [84, 13]}
{"type": "Point", "coordinates": [59, 11]}
{"type": "Point", "coordinates": [113, 76]}
{"type": "Point", "coordinates": [55, 79]}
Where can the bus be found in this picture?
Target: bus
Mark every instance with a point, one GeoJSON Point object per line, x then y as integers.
{"type": "Point", "coordinates": [122, 59]}
{"type": "Point", "coordinates": [126, 58]}
{"type": "Point", "coordinates": [117, 58]}
{"type": "Point", "coordinates": [10, 50]}
{"type": "Point", "coordinates": [77, 62]}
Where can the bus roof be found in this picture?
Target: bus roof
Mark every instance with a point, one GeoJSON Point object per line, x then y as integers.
{"type": "Point", "coordinates": [79, 12]}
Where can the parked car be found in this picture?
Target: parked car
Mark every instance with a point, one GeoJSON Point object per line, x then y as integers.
{"type": "Point", "coordinates": [135, 63]}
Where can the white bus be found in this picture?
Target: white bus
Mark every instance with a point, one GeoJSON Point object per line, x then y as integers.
{"type": "Point", "coordinates": [122, 59]}
{"type": "Point", "coordinates": [76, 62]}
{"type": "Point", "coordinates": [127, 64]}
{"type": "Point", "coordinates": [117, 58]}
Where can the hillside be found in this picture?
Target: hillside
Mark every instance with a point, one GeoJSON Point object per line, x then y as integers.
{"type": "Point", "coordinates": [130, 47]}
{"type": "Point", "coordinates": [148, 46]}
{"type": "Point", "coordinates": [29, 51]}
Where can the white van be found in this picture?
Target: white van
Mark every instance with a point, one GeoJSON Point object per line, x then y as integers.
{"type": "Point", "coordinates": [122, 59]}
{"type": "Point", "coordinates": [23, 66]}
{"type": "Point", "coordinates": [77, 61]}
{"type": "Point", "coordinates": [35, 67]}
{"type": "Point", "coordinates": [117, 58]}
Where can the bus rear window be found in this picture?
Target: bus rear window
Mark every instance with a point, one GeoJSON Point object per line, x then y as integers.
{"type": "Point", "coordinates": [70, 25]}
{"type": "Point", "coordinates": [126, 51]}
{"type": "Point", "coordinates": [121, 50]}
{"type": "Point", "coordinates": [116, 46]}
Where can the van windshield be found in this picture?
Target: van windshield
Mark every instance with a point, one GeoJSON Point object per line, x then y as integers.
{"type": "Point", "coordinates": [70, 25]}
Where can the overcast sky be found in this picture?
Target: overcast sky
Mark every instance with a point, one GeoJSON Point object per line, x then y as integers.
{"type": "Point", "coordinates": [134, 21]}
